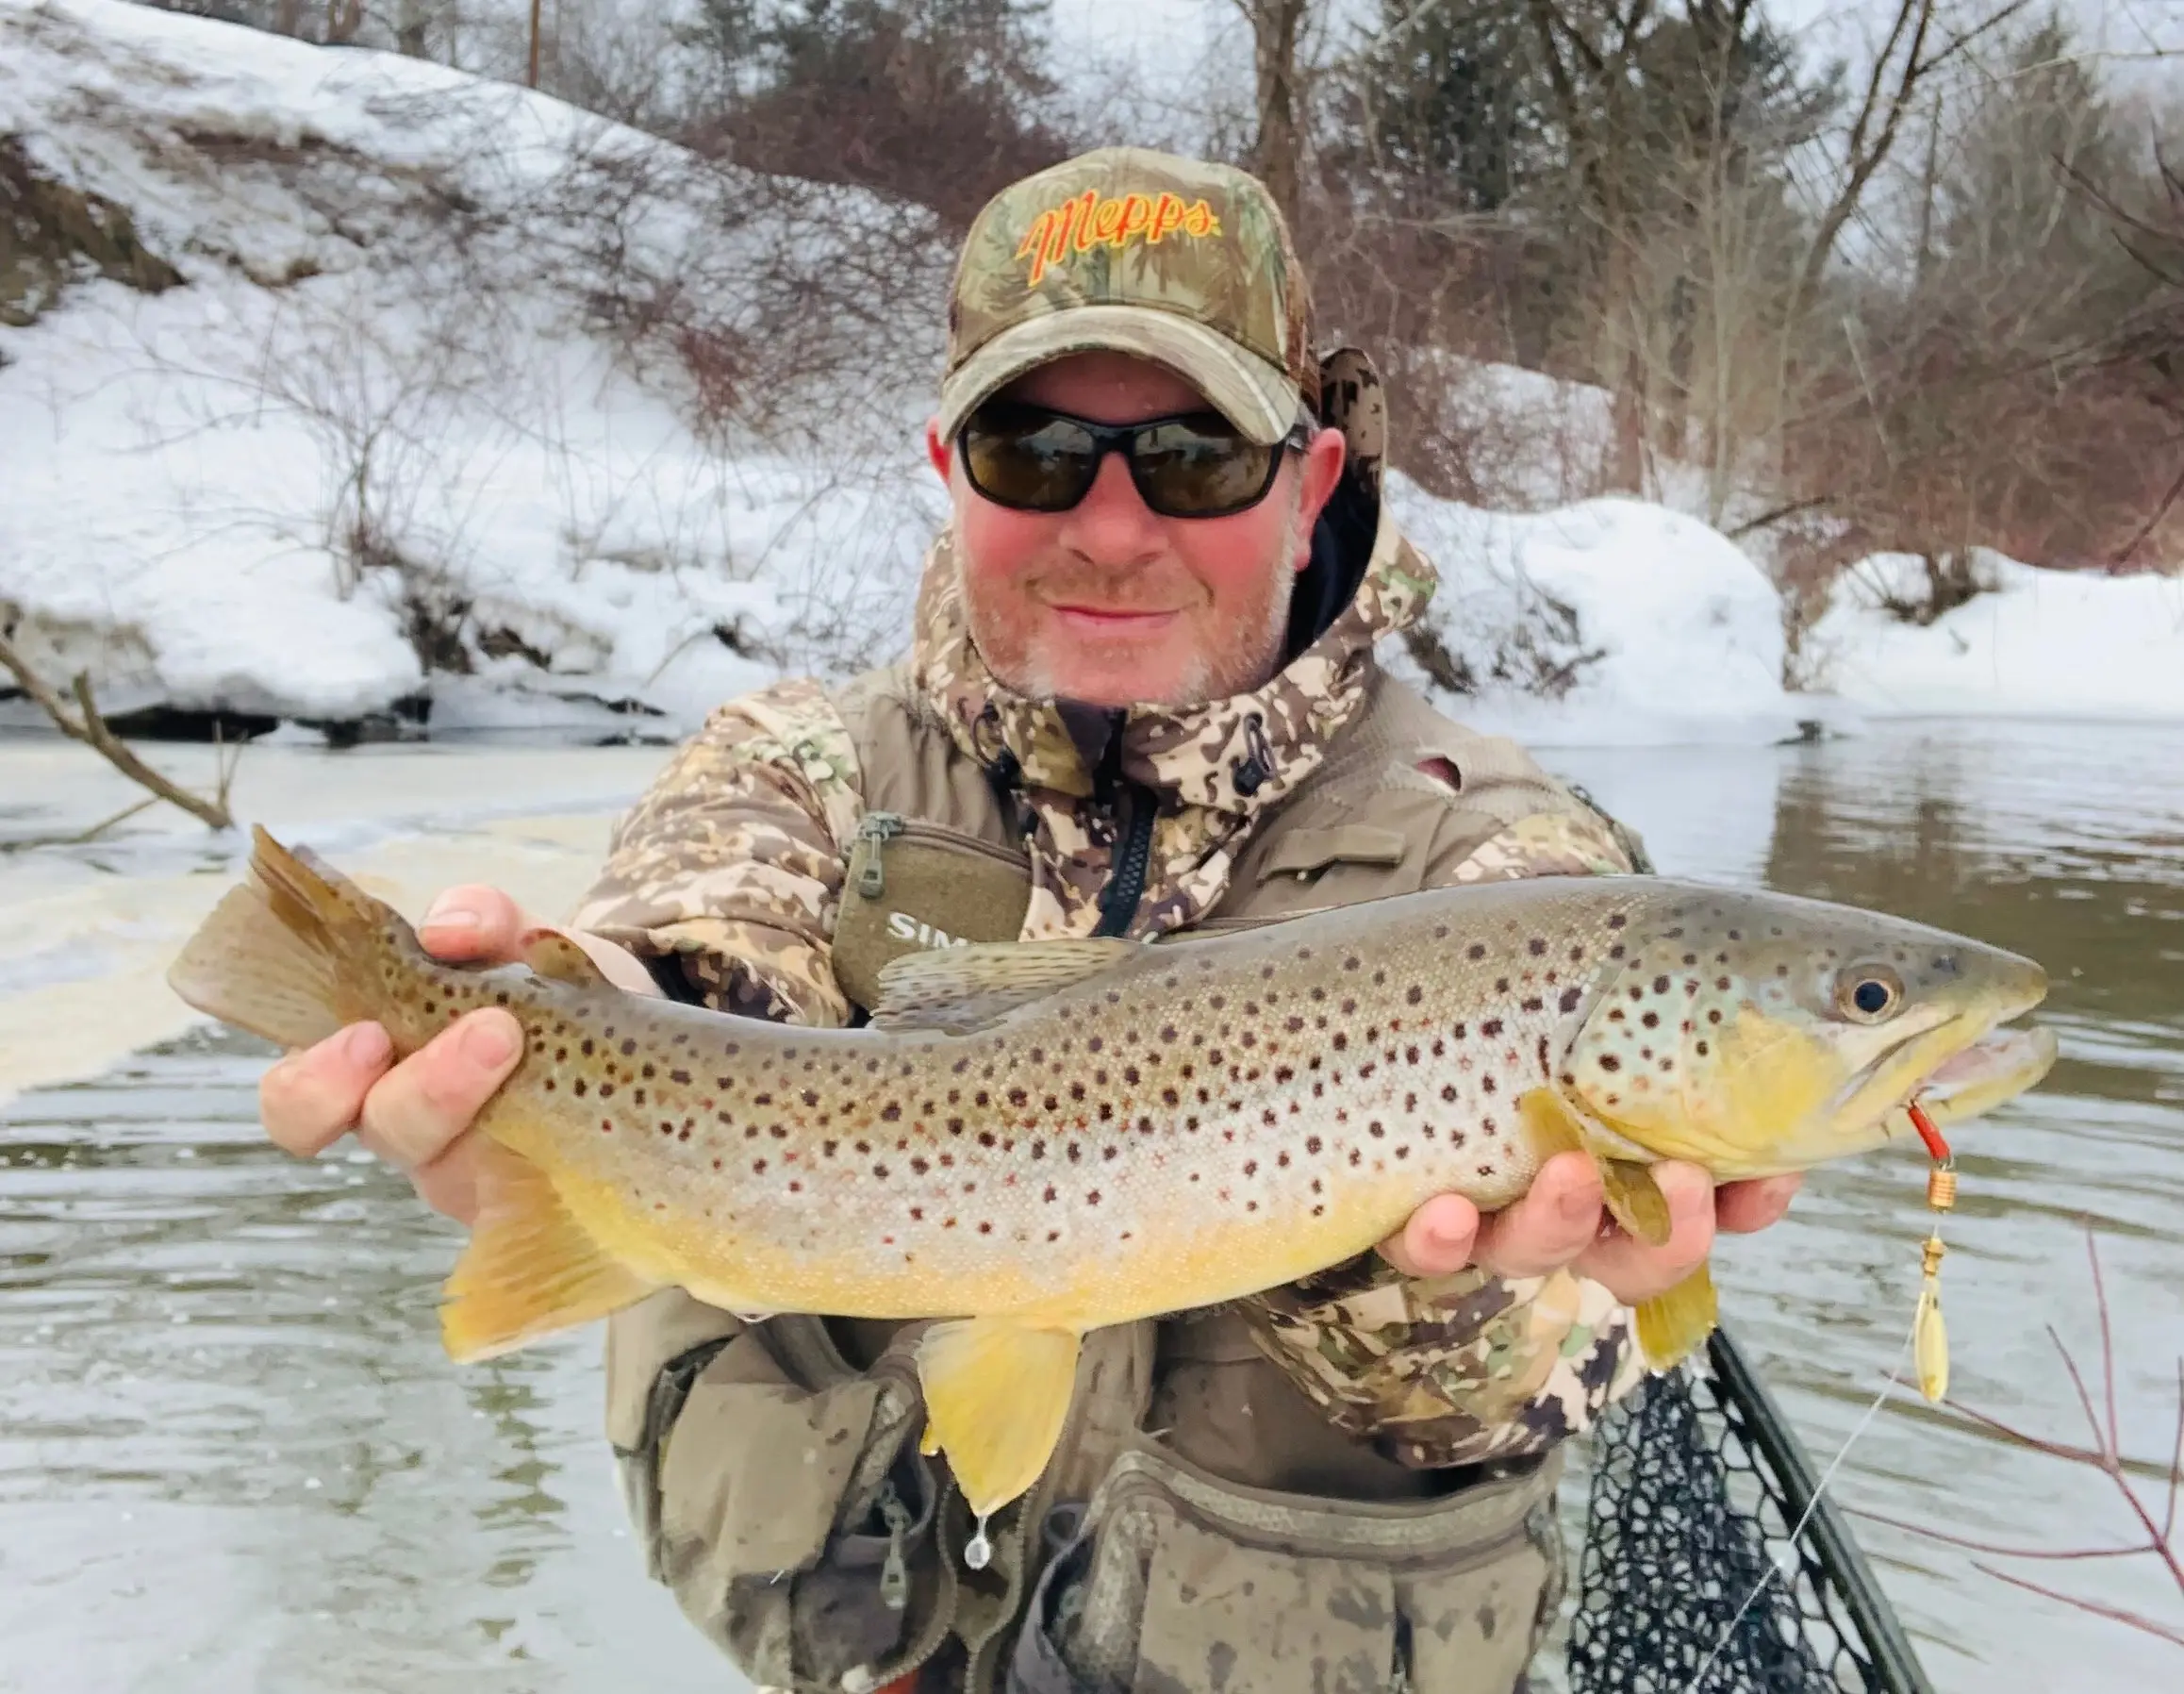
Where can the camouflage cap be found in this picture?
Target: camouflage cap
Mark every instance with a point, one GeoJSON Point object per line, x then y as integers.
{"type": "Point", "coordinates": [1173, 260]}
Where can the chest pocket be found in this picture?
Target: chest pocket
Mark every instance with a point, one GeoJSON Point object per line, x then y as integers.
{"type": "Point", "coordinates": [913, 885]}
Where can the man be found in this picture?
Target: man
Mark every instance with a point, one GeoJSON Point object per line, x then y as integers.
{"type": "Point", "coordinates": [1141, 699]}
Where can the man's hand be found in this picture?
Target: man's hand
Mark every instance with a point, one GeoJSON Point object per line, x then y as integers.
{"type": "Point", "coordinates": [416, 1115]}
{"type": "Point", "coordinates": [1558, 1221]}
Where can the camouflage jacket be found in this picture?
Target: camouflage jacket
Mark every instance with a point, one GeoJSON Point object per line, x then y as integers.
{"type": "Point", "coordinates": [730, 870]}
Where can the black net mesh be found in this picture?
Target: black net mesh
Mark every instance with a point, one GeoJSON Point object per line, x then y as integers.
{"type": "Point", "coordinates": [1686, 1511]}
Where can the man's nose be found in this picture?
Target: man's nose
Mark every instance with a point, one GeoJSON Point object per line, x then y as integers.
{"type": "Point", "coordinates": [1111, 525]}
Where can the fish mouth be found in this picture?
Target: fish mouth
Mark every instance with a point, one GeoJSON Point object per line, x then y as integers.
{"type": "Point", "coordinates": [1956, 1068]}
{"type": "Point", "coordinates": [1996, 1068]}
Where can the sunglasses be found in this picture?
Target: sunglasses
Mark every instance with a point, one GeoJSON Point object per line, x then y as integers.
{"type": "Point", "coordinates": [1193, 465]}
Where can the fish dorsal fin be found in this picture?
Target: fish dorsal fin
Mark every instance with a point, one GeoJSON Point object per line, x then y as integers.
{"type": "Point", "coordinates": [960, 988]}
{"type": "Point", "coordinates": [1634, 1199]}
{"type": "Point", "coordinates": [550, 954]}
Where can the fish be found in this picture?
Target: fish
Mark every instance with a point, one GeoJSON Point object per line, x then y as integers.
{"type": "Point", "coordinates": [1032, 1140]}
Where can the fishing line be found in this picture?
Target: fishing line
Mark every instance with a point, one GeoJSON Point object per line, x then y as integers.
{"type": "Point", "coordinates": [1776, 1567]}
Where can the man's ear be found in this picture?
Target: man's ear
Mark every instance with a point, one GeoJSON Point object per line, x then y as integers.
{"type": "Point", "coordinates": [938, 451]}
{"type": "Point", "coordinates": [1319, 468]}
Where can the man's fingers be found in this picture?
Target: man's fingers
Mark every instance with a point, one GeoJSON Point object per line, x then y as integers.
{"type": "Point", "coordinates": [1742, 1208]}
{"type": "Point", "coordinates": [1558, 1218]}
{"type": "Point", "coordinates": [1633, 1271]}
{"type": "Point", "coordinates": [471, 921]}
{"type": "Point", "coordinates": [1437, 1239]}
{"type": "Point", "coordinates": [430, 1098]}
{"type": "Point", "coordinates": [311, 1098]}
{"type": "Point", "coordinates": [449, 1183]}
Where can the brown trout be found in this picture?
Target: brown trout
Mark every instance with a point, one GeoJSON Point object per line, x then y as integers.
{"type": "Point", "coordinates": [1034, 1140]}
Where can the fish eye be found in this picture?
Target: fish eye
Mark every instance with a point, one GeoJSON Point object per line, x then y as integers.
{"type": "Point", "coordinates": [1868, 993]}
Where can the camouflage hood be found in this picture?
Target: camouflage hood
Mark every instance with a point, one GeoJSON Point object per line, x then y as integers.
{"type": "Point", "coordinates": [1212, 767]}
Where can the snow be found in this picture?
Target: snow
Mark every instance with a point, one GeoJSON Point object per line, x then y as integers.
{"type": "Point", "coordinates": [2050, 644]}
{"type": "Point", "coordinates": [394, 396]}
{"type": "Point", "coordinates": [193, 475]}
{"type": "Point", "coordinates": [1609, 621]}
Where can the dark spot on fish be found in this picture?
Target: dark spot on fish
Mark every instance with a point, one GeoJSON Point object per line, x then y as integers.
{"type": "Point", "coordinates": [1610, 1062]}
{"type": "Point", "coordinates": [628, 1047]}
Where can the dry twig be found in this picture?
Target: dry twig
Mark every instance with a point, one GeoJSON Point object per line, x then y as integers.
{"type": "Point", "coordinates": [85, 725]}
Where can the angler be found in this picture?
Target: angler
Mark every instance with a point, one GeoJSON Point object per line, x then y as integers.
{"type": "Point", "coordinates": [1143, 699]}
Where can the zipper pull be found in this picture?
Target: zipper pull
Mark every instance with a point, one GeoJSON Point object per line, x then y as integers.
{"type": "Point", "coordinates": [895, 1572]}
{"type": "Point", "coordinates": [876, 829]}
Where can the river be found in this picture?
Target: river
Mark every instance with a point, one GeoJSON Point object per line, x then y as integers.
{"type": "Point", "coordinates": [232, 1456]}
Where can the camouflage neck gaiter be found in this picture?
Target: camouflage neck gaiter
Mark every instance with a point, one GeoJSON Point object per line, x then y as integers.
{"type": "Point", "coordinates": [1212, 768]}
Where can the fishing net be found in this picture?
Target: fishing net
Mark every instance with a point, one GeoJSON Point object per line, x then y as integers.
{"type": "Point", "coordinates": [1691, 1500]}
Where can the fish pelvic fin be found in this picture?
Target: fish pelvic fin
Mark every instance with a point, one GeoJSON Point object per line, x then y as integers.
{"type": "Point", "coordinates": [1675, 1324]}
{"type": "Point", "coordinates": [283, 955]}
{"type": "Point", "coordinates": [530, 1269]}
{"type": "Point", "coordinates": [996, 1393]}
{"type": "Point", "coordinates": [1634, 1199]}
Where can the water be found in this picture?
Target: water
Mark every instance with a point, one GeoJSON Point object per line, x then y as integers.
{"type": "Point", "coordinates": [232, 1456]}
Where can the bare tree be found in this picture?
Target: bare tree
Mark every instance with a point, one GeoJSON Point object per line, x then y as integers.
{"type": "Point", "coordinates": [1277, 100]}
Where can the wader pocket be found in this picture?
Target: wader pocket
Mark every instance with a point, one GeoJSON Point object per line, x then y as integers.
{"type": "Point", "coordinates": [1180, 1582]}
{"type": "Point", "coordinates": [912, 885]}
{"type": "Point", "coordinates": [792, 1521]}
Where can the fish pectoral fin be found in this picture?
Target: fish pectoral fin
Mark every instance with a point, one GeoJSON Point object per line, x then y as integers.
{"type": "Point", "coordinates": [1673, 1324]}
{"type": "Point", "coordinates": [530, 1268]}
{"type": "Point", "coordinates": [553, 955]}
{"type": "Point", "coordinates": [1634, 1199]}
{"type": "Point", "coordinates": [997, 1393]}
{"type": "Point", "coordinates": [961, 989]}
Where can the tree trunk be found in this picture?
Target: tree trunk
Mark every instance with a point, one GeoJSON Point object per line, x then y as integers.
{"type": "Point", "coordinates": [1277, 153]}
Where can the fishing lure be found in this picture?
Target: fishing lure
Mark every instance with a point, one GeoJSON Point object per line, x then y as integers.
{"type": "Point", "coordinates": [1929, 1334]}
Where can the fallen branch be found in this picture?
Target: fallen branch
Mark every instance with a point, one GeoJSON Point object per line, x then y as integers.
{"type": "Point", "coordinates": [85, 725]}
{"type": "Point", "coordinates": [2157, 1538]}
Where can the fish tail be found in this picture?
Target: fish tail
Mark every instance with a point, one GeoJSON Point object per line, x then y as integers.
{"type": "Point", "coordinates": [531, 1266]}
{"type": "Point", "coordinates": [292, 954]}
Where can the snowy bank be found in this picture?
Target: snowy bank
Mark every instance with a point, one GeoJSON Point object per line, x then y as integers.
{"type": "Point", "coordinates": [2051, 643]}
{"type": "Point", "coordinates": [1609, 621]}
{"type": "Point", "coordinates": [389, 423]}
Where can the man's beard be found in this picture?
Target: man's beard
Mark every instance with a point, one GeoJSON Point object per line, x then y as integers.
{"type": "Point", "coordinates": [1206, 677]}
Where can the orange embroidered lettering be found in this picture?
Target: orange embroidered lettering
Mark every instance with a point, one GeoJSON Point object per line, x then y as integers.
{"type": "Point", "coordinates": [1088, 207]}
{"type": "Point", "coordinates": [1033, 246]}
{"type": "Point", "coordinates": [1092, 220]}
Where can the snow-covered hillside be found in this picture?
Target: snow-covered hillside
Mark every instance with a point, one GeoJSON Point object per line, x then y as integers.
{"type": "Point", "coordinates": [397, 410]}
{"type": "Point", "coordinates": [428, 393]}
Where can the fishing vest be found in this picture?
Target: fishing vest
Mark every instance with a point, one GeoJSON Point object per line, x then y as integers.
{"type": "Point", "coordinates": [1201, 1525]}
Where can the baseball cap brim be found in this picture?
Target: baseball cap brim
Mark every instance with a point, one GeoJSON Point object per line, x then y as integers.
{"type": "Point", "coordinates": [1255, 395]}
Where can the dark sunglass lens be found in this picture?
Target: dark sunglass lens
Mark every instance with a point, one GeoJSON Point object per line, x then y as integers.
{"type": "Point", "coordinates": [1033, 460]}
{"type": "Point", "coordinates": [1190, 470]}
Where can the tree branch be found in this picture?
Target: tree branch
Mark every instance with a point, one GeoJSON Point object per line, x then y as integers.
{"type": "Point", "coordinates": [86, 726]}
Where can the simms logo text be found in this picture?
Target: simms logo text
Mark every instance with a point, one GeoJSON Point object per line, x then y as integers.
{"type": "Point", "coordinates": [1091, 220]}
